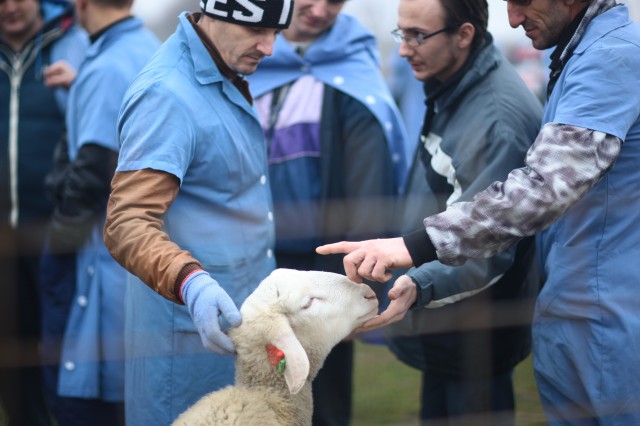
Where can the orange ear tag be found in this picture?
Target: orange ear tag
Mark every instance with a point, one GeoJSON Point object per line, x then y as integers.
{"type": "Point", "coordinates": [276, 357]}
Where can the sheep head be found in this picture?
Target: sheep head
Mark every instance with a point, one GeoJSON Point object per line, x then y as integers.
{"type": "Point", "coordinates": [303, 312]}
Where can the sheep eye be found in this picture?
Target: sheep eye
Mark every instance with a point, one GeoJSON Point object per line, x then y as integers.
{"type": "Point", "coordinates": [309, 303]}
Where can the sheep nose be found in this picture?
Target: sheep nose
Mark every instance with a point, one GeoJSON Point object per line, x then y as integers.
{"type": "Point", "coordinates": [368, 292]}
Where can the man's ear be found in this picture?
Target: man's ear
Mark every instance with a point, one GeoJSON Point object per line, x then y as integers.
{"type": "Point", "coordinates": [466, 32]}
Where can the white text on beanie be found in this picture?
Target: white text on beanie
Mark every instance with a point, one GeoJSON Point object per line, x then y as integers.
{"type": "Point", "coordinates": [251, 13]}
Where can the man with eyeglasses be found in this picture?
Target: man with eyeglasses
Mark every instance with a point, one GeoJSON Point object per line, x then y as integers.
{"type": "Point", "coordinates": [336, 147]}
{"type": "Point", "coordinates": [480, 120]}
{"type": "Point", "coordinates": [579, 191]}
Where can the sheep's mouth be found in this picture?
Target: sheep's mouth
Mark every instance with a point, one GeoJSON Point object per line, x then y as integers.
{"type": "Point", "coordinates": [372, 313]}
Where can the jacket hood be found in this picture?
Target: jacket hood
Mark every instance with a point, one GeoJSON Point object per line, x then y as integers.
{"type": "Point", "coordinates": [53, 11]}
{"type": "Point", "coordinates": [346, 58]}
{"type": "Point", "coordinates": [344, 39]}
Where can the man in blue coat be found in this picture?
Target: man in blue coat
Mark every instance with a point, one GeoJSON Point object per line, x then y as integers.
{"type": "Point", "coordinates": [579, 190]}
{"type": "Point", "coordinates": [33, 35]}
{"type": "Point", "coordinates": [85, 304]}
{"type": "Point", "coordinates": [190, 213]}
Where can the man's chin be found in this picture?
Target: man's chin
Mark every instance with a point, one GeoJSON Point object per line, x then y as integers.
{"type": "Point", "coordinates": [539, 43]}
{"type": "Point", "coordinates": [249, 65]}
{"type": "Point", "coordinates": [420, 75]}
{"type": "Point", "coordinates": [247, 70]}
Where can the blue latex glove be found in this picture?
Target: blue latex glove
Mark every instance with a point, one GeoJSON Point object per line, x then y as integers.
{"type": "Point", "coordinates": [206, 301]}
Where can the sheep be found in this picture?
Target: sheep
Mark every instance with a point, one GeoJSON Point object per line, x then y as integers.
{"type": "Point", "coordinates": [290, 323]}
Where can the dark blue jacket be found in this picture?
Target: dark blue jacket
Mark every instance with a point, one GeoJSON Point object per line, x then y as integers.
{"type": "Point", "coordinates": [32, 115]}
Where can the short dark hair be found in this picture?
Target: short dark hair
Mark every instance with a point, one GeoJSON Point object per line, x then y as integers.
{"type": "Point", "coordinates": [475, 12]}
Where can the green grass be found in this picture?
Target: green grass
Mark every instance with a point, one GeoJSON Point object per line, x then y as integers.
{"type": "Point", "coordinates": [387, 392]}
{"type": "Point", "coordinates": [528, 408]}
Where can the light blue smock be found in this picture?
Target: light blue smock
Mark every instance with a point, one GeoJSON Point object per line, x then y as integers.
{"type": "Point", "coordinates": [70, 48]}
{"type": "Point", "coordinates": [92, 356]}
{"type": "Point", "coordinates": [587, 326]}
{"type": "Point", "coordinates": [183, 117]}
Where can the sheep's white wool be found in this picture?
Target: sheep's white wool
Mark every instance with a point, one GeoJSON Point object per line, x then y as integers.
{"type": "Point", "coordinates": [302, 313]}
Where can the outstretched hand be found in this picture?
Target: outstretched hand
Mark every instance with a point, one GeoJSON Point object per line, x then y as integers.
{"type": "Point", "coordinates": [370, 259]}
{"type": "Point", "coordinates": [402, 296]}
{"type": "Point", "coordinates": [208, 303]}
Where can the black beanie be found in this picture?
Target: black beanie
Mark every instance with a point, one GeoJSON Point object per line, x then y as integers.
{"type": "Point", "coordinates": [251, 13]}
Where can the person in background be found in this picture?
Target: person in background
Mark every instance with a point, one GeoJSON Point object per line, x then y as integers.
{"type": "Point", "coordinates": [480, 120]}
{"type": "Point", "coordinates": [33, 35]}
{"type": "Point", "coordinates": [336, 147]}
{"type": "Point", "coordinates": [579, 191]}
{"type": "Point", "coordinates": [84, 286]}
{"type": "Point", "coordinates": [190, 212]}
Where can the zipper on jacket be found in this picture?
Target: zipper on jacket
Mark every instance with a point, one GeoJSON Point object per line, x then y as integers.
{"type": "Point", "coordinates": [20, 62]}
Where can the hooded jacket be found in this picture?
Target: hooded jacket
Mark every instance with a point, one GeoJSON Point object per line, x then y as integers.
{"type": "Point", "coordinates": [336, 143]}
{"type": "Point", "coordinates": [345, 58]}
{"type": "Point", "coordinates": [32, 115]}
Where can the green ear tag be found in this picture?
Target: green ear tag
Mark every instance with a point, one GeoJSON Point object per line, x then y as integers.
{"type": "Point", "coordinates": [281, 365]}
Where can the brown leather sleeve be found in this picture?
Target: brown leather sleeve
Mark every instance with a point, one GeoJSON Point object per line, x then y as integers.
{"type": "Point", "coordinates": [133, 231]}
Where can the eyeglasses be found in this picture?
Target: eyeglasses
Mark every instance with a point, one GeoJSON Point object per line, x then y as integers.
{"type": "Point", "coordinates": [519, 2]}
{"type": "Point", "coordinates": [414, 40]}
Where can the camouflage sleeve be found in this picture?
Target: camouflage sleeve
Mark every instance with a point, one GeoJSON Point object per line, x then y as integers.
{"type": "Point", "coordinates": [562, 165]}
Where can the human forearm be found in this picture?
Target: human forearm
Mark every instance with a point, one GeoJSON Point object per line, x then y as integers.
{"type": "Point", "coordinates": [80, 193]}
{"type": "Point", "coordinates": [440, 284]}
{"type": "Point", "coordinates": [134, 232]}
{"type": "Point", "coordinates": [564, 163]}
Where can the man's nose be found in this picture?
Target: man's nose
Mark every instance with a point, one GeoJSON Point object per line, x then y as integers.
{"type": "Point", "coordinates": [516, 17]}
{"type": "Point", "coordinates": [320, 9]}
{"type": "Point", "coordinates": [265, 46]}
{"type": "Point", "coordinates": [405, 50]}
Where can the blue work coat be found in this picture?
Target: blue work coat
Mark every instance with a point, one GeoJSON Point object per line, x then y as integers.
{"type": "Point", "coordinates": [92, 356]}
{"type": "Point", "coordinates": [181, 116]}
{"type": "Point", "coordinates": [587, 328]}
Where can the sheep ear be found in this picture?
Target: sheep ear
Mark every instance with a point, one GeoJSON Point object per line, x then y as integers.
{"type": "Point", "coordinates": [297, 362]}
